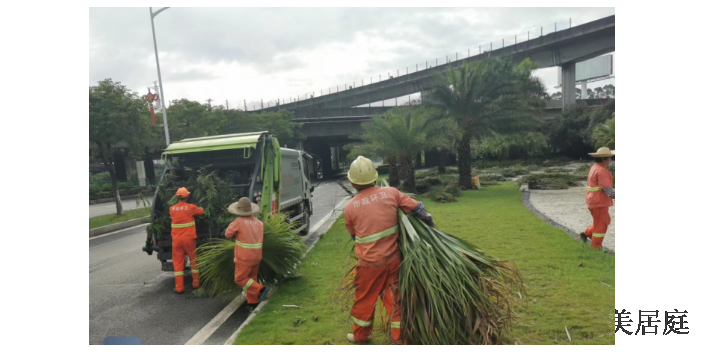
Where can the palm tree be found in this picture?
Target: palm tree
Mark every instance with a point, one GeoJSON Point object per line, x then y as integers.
{"type": "Point", "coordinates": [401, 133]}
{"type": "Point", "coordinates": [490, 96]}
{"type": "Point", "coordinates": [604, 135]}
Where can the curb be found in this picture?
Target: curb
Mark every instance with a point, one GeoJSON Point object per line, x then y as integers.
{"type": "Point", "coordinates": [119, 226]}
{"type": "Point", "coordinates": [110, 200]}
{"type": "Point", "coordinates": [526, 203]}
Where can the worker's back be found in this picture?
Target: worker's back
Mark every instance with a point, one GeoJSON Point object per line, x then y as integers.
{"type": "Point", "coordinates": [183, 226]}
{"type": "Point", "coordinates": [599, 178]}
{"type": "Point", "coordinates": [372, 216]}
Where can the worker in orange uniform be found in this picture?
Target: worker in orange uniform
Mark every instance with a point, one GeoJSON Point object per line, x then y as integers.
{"type": "Point", "coordinates": [183, 237]}
{"type": "Point", "coordinates": [249, 237]}
{"type": "Point", "coordinates": [600, 194]}
{"type": "Point", "coordinates": [371, 217]}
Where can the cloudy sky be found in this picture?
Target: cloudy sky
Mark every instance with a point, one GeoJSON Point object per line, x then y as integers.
{"type": "Point", "coordinates": [255, 53]}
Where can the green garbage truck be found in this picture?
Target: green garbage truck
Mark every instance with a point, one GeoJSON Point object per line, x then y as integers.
{"type": "Point", "coordinates": [280, 180]}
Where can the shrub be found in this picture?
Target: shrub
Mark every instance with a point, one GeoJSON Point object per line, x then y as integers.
{"type": "Point", "coordinates": [548, 181]}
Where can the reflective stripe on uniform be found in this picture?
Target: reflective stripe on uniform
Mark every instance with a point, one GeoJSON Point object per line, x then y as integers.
{"type": "Point", "coordinates": [177, 273]}
{"type": "Point", "coordinates": [598, 235]}
{"type": "Point", "coordinates": [395, 324]}
{"type": "Point", "coordinates": [377, 236]}
{"type": "Point", "coordinates": [249, 283]}
{"type": "Point", "coordinates": [593, 189]}
{"type": "Point", "coordinates": [248, 245]}
{"type": "Point", "coordinates": [180, 226]}
{"type": "Point", "coordinates": [361, 322]}
{"type": "Point", "coordinates": [195, 271]}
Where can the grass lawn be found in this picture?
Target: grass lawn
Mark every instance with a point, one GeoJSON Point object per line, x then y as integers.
{"type": "Point", "coordinates": [559, 292]}
{"type": "Point", "coordinates": [110, 219]}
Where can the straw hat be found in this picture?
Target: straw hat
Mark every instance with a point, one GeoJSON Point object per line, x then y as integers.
{"type": "Point", "coordinates": [603, 152]}
{"type": "Point", "coordinates": [243, 207]}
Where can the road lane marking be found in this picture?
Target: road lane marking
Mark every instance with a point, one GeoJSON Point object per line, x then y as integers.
{"type": "Point", "coordinates": [201, 336]}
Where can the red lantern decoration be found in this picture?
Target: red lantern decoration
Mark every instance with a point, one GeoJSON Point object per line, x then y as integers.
{"type": "Point", "coordinates": [151, 98]}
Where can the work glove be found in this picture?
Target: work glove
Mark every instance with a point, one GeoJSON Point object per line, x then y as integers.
{"type": "Point", "coordinates": [429, 220]}
{"type": "Point", "coordinates": [423, 214]}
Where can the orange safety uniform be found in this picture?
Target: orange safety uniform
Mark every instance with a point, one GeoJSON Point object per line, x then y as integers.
{"type": "Point", "coordinates": [372, 217]}
{"type": "Point", "coordinates": [249, 237]}
{"type": "Point", "coordinates": [183, 240]}
{"type": "Point", "coordinates": [598, 203]}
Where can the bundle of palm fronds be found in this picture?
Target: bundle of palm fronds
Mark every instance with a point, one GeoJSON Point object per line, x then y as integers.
{"type": "Point", "coordinates": [451, 291]}
{"type": "Point", "coordinates": [282, 252]}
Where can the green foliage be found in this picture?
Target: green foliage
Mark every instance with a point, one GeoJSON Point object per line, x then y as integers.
{"type": "Point", "coordinates": [492, 96]}
{"type": "Point", "coordinates": [191, 119]}
{"type": "Point", "coordinates": [440, 188]}
{"type": "Point", "coordinates": [100, 177]}
{"type": "Point", "coordinates": [569, 132]}
{"type": "Point", "coordinates": [452, 292]}
{"type": "Point", "coordinates": [209, 190]}
{"type": "Point", "coordinates": [516, 145]}
{"type": "Point", "coordinates": [402, 133]}
{"type": "Point", "coordinates": [602, 113]}
{"type": "Point", "coordinates": [491, 178]}
{"type": "Point", "coordinates": [105, 220]}
{"type": "Point", "coordinates": [116, 115]}
{"type": "Point", "coordinates": [604, 135]}
{"type": "Point", "coordinates": [279, 123]}
{"type": "Point", "coordinates": [451, 170]}
{"type": "Point", "coordinates": [550, 181]}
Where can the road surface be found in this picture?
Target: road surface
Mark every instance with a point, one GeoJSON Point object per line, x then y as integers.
{"type": "Point", "coordinates": [131, 296]}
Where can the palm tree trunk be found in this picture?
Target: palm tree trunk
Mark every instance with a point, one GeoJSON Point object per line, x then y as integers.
{"type": "Point", "coordinates": [465, 166]}
{"type": "Point", "coordinates": [408, 174]}
{"type": "Point", "coordinates": [393, 172]}
{"type": "Point", "coordinates": [442, 162]}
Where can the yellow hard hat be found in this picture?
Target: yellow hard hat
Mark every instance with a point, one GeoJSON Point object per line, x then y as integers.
{"type": "Point", "coordinates": [362, 171]}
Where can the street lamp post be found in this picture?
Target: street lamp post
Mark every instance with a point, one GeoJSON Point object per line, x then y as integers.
{"type": "Point", "coordinates": [158, 71]}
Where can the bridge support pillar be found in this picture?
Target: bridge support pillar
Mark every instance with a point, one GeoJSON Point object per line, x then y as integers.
{"type": "Point", "coordinates": [149, 171]}
{"type": "Point", "coordinates": [584, 90]}
{"type": "Point", "coordinates": [568, 85]}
